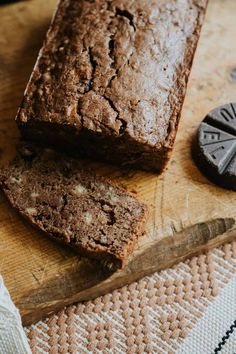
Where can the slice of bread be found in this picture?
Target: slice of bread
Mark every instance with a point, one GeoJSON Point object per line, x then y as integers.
{"type": "Point", "coordinates": [61, 197]}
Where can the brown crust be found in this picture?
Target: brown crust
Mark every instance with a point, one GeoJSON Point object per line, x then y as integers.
{"type": "Point", "coordinates": [115, 74]}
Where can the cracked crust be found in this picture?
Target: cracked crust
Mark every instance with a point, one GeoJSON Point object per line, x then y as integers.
{"type": "Point", "coordinates": [111, 77]}
{"type": "Point", "coordinates": [71, 204]}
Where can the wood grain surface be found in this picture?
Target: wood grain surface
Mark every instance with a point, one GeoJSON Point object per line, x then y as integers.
{"type": "Point", "coordinates": [188, 214]}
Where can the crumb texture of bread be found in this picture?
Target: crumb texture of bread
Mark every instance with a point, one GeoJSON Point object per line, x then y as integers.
{"type": "Point", "coordinates": [111, 77]}
{"type": "Point", "coordinates": [70, 203]}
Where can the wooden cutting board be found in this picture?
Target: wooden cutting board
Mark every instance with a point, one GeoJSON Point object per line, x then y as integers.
{"type": "Point", "coordinates": [188, 214]}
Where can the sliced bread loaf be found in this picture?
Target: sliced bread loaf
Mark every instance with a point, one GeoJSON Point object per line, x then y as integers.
{"type": "Point", "coordinates": [70, 203]}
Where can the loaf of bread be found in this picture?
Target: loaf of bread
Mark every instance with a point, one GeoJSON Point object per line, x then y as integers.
{"type": "Point", "coordinates": [110, 79]}
{"type": "Point", "coordinates": [71, 204]}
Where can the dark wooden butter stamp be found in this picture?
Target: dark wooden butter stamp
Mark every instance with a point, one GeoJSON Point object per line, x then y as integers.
{"type": "Point", "coordinates": [216, 146]}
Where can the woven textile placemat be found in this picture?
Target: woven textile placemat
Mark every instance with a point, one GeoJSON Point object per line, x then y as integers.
{"type": "Point", "coordinates": [153, 315]}
{"type": "Point", "coordinates": [215, 332]}
{"type": "Point", "coordinates": [12, 335]}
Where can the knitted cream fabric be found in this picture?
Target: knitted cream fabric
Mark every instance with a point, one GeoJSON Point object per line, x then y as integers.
{"type": "Point", "coordinates": [216, 330]}
{"type": "Point", "coordinates": [12, 336]}
{"type": "Point", "coordinates": [153, 315]}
